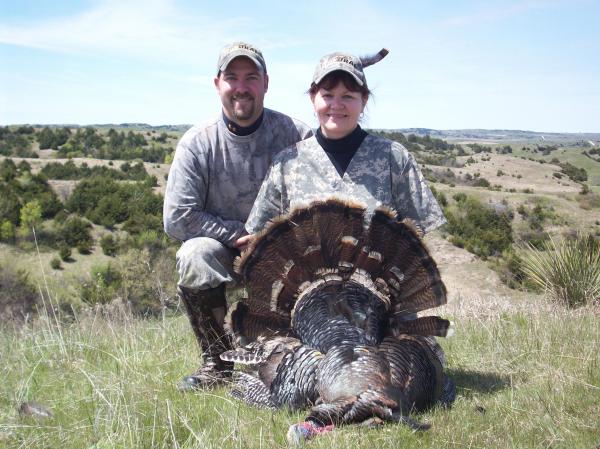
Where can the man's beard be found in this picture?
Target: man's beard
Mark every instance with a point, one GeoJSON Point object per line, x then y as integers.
{"type": "Point", "coordinates": [243, 113]}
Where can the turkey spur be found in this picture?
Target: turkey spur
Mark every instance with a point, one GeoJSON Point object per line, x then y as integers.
{"type": "Point", "coordinates": [331, 318]}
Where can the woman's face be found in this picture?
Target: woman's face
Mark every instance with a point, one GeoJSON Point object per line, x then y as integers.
{"type": "Point", "coordinates": [338, 110]}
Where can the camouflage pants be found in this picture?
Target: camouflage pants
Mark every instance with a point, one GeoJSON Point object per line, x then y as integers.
{"type": "Point", "coordinates": [204, 263]}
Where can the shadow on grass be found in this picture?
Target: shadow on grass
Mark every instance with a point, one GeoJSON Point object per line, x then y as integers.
{"type": "Point", "coordinates": [468, 382]}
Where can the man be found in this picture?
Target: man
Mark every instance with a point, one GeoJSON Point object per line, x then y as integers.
{"type": "Point", "coordinates": [215, 176]}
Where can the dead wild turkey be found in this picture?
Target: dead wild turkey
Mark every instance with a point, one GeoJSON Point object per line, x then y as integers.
{"type": "Point", "coordinates": [331, 315]}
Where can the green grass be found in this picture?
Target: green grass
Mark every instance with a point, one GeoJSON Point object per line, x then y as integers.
{"type": "Point", "coordinates": [524, 381]}
{"type": "Point", "coordinates": [63, 283]}
{"type": "Point", "coordinates": [573, 155]}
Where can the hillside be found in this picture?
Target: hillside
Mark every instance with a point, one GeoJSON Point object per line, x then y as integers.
{"type": "Point", "coordinates": [505, 135]}
{"type": "Point", "coordinates": [526, 369]}
{"type": "Point", "coordinates": [505, 170]}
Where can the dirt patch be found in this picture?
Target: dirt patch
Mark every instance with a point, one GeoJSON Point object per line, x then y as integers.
{"type": "Point", "coordinates": [510, 172]}
{"type": "Point", "coordinates": [474, 290]}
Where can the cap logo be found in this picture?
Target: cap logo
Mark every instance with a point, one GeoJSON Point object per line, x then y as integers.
{"type": "Point", "coordinates": [344, 59]}
{"type": "Point", "coordinates": [249, 48]}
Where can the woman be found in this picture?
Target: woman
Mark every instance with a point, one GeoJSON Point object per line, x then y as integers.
{"type": "Point", "coordinates": [342, 159]}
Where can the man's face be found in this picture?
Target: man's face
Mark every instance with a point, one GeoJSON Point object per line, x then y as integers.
{"type": "Point", "coordinates": [242, 87]}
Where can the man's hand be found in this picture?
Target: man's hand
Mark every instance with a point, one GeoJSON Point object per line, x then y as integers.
{"type": "Point", "coordinates": [243, 242]}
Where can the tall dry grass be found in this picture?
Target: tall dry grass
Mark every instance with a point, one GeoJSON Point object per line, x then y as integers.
{"type": "Point", "coordinates": [524, 380]}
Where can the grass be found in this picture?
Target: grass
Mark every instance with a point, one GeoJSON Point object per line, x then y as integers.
{"type": "Point", "coordinates": [64, 283]}
{"type": "Point", "coordinates": [524, 380]}
{"type": "Point", "coordinates": [569, 270]}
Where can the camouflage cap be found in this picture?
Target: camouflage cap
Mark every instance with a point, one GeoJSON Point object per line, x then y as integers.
{"type": "Point", "coordinates": [347, 63]}
{"type": "Point", "coordinates": [236, 49]}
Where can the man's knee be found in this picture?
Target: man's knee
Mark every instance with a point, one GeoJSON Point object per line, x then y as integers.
{"type": "Point", "coordinates": [201, 249]}
{"type": "Point", "coordinates": [204, 263]}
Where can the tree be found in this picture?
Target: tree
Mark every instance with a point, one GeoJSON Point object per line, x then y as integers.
{"type": "Point", "coordinates": [10, 205]}
{"type": "Point", "coordinates": [46, 138]}
{"type": "Point", "coordinates": [76, 232]}
{"type": "Point", "coordinates": [7, 231]}
{"type": "Point", "coordinates": [31, 215]}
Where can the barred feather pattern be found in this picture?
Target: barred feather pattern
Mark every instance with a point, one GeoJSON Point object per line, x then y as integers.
{"type": "Point", "coordinates": [246, 321]}
{"type": "Point", "coordinates": [331, 317]}
{"type": "Point", "coordinates": [415, 370]}
{"type": "Point", "coordinates": [337, 313]}
{"type": "Point", "coordinates": [285, 374]}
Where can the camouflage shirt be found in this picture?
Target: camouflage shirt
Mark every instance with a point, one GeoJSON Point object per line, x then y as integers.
{"type": "Point", "coordinates": [216, 175]}
{"type": "Point", "coordinates": [382, 172]}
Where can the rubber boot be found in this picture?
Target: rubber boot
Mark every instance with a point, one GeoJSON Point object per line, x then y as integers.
{"type": "Point", "coordinates": [206, 310]}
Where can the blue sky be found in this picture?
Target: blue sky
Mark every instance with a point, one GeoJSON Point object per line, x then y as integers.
{"type": "Point", "coordinates": [530, 64]}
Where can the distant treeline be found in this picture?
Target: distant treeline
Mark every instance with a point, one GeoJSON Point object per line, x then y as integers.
{"type": "Point", "coordinates": [85, 142]}
{"type": "Point", "coordinates": [70, 171]}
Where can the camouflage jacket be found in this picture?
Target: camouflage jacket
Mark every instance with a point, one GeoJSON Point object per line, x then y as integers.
{"type": "Point", "coordinates": [382, 172]}
{"type": "Point", "coordinates": [216, 175]}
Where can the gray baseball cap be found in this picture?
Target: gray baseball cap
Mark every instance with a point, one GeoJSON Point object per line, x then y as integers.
{"type": "Point", "coordinates": [236, 49]}
{"type": "Point", "coordinates": [346, 62]}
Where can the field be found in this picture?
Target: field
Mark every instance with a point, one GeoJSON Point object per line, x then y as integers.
{"type": "Point", "coordinates": [527, 371]}
{"type": "Point", "coordinates": [526, 379]}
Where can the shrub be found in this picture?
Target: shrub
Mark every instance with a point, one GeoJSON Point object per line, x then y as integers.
{"type": "Point", "coordinates": [103, 285]}
{"type": "Point", "coordinates": [508, 268]}
{"type": "Point", "coordinates": [574, 173]}
{"type": "Point", "coordinates": [146, 282]}
{"type": "Point", "coordinates": [481, 182]}
{"type": "Point", "coordinates": [31, 215]}
{"type": "Point", "coordinates": [568, 270]}
{"type": "Point", "coordinates": [480, 229]}
{"type": "Point", "coordinates": [109, 245]}
{"type": "Point", "coordinates": [460, 196]}
{"type": "Point", "coordinates": [18, 296]}
{"type": "Point", "coordinates": [7, 231]}
{"type": "Point", "coordinates": [64, 251]}
{"type": "Point", "coordinates": [535, 238]}
{"type": "Point", "coordinates": [84, 247]}
{"type": "Point", "coordinates": [55, 263]}
{"type": "Point", "coordinates": [75, 231]}
{"type": "Point", "coordinates": [150, 240]}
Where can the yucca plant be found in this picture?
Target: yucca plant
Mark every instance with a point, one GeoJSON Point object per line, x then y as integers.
{"type": "Point", "coordinates": [568, 270]}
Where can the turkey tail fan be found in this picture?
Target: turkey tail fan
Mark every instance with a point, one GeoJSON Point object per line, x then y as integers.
{"type": "Point", "coordinates": [335, 219]}
{"type": "Point", "coordinates": [271, 264]}
{"type": "Point", "coordinates": [408, 269]}
{"type": "Point", "coordinates": [246, 321]}
{"type": "Point", "coordinates": [425, 326]}
{"type": "Point", "coordinates": [293, 248]}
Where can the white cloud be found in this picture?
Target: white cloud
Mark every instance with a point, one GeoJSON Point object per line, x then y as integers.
{"type": "Point", "coordinates": [153, 29]}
